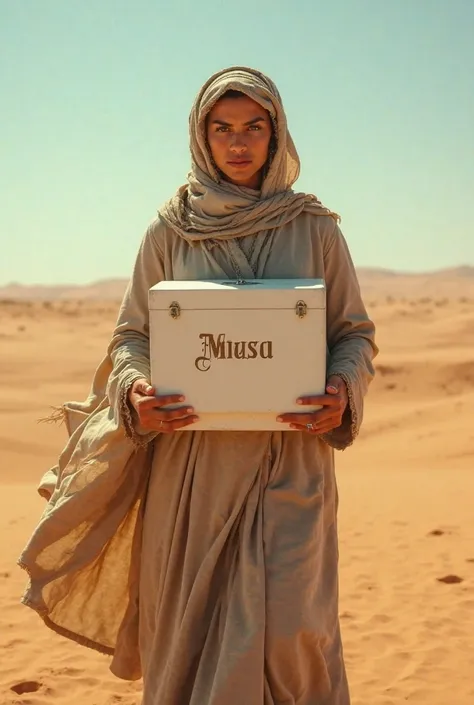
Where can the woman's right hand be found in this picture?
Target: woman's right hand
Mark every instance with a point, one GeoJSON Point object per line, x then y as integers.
{"type": "Point", "coordinates": [150, 409]}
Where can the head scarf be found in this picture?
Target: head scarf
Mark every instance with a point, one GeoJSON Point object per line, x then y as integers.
{"type": "Point", "coordinates": [208, 207]}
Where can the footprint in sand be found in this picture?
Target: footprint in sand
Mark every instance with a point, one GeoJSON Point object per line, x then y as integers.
{"type": "Point", "coordinates": [447, 531]}
{"type": "Point", "coordinates": [450, 579]}
{"type": "Point", "coordinates": [26, 687]}
{"type": "Point", "coordinates": [346, 615]}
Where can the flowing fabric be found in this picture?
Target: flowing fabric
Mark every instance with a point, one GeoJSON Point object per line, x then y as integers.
{"type": "Point", "coordinates": [205, 562]}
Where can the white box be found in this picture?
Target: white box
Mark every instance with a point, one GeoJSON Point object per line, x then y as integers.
{"type": "Point", "coordinates": [240, 352]}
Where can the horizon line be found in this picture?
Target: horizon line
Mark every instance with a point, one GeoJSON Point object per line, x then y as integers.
{"type": "Point", "coordinates": [461, 268]}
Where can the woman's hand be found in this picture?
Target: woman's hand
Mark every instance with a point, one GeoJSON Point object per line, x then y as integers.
{"type": "Point", "coordinates": [333, 404]}
{"type": "Point", "coordinates": [150, 410]}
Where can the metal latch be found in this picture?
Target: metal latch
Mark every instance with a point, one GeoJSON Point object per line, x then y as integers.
{"type": "Point", "coordinates": [301, 309]}
{"type": "Point", "coordinates": [175, 310]}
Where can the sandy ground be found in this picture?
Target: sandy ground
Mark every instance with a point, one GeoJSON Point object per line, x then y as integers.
{"type": "Point", "coordinates": [406, 514]}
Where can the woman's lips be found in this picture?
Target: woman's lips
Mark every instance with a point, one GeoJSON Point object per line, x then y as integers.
{"type": "Point", "coordinates": [239, 164]}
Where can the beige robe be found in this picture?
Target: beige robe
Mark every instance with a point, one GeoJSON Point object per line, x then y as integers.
{"type": "Point", "coordinates": [205, 561]}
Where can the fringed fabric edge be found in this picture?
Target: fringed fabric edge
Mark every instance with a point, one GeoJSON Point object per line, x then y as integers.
{"type": "Point", "coordinates": [58, 415]}
{"type": "Point", "coordinates": [354, 429]}
{"type": "Point", "coordinates": [43, 613]}
{"type": "Point", "coordinates": [127, 420]}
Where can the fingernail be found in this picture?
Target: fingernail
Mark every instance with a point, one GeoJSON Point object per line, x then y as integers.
{"type": "Point", "coordinates": [279, 418]}
{"type": "Point", "coordinates": [332, 388]}
{"type": "Point", "coordinates": [292, 425]}
{"type": "Point", "coordinates": [181, 398]}
{"type": "Point", "coordinates": [299, 401]}
{"type": "Point", "coordinates": [190, 410]}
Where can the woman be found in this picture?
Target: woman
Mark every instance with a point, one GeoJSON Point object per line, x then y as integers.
{"type": "Point", "coordinates": [221, 589]}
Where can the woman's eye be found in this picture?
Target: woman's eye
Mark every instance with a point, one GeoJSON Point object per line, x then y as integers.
{"type": "Point", "coordinates": [224, 128]}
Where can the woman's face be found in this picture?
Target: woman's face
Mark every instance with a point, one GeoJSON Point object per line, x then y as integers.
{"type": "Point", "coordinates": [238, 133]}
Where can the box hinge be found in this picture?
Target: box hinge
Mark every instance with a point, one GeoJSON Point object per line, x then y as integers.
{"type": "Point", "coordinates": [301, 309]}
{"type": "Point", "coordinates": [175, 310]}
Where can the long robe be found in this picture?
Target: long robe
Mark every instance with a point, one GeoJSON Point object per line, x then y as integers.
{"type": "Point", "coordinates": [205, 561]}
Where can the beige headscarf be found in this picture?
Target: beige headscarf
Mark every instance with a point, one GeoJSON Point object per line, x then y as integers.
{"type": "Point", "coordinates": [208, 207]}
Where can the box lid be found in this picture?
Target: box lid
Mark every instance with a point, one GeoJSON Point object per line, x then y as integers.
{"type": "Point", "coordinates": [218, 294]}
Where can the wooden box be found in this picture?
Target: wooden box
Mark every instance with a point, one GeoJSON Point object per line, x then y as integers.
{"type": "Point", "coordinates": [240, 352]}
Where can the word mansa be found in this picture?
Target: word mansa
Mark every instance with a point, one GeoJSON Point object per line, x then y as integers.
{"type": "Point", "coordinates": [216, 347]}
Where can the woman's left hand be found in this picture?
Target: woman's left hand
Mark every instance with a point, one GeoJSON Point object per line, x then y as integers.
{"type": "Point", "coordinates": [327, 418]}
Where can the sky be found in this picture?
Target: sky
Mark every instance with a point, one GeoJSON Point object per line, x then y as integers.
{"type": "Point", "coordinates": [94, 104]}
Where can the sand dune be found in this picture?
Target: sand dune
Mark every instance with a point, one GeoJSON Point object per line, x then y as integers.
{"type": "Point", "coordinates": [406, 519]}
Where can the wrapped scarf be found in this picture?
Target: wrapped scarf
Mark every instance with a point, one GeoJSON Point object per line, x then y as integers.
{"type": "Point", "coordinates": [208, 207]}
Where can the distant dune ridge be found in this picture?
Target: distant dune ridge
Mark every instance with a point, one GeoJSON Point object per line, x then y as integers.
{"type": "Point", "coordinates": [375, 282]}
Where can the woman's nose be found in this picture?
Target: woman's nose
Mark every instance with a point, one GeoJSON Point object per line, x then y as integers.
{"type": "Point", "coordinates": [237, 144]}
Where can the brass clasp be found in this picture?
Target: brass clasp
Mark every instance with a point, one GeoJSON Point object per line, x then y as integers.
{"type": "Point", "coordinates": [175, 310]}
{"type": "Point", "coordinates": [301, 309]}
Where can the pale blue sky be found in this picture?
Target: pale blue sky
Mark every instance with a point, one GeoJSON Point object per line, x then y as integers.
{"type": "Point", "coordinates": [95, 96]}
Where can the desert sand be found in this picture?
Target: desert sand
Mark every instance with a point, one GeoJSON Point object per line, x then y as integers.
{"type": "Point", "coordinates": [406, 497]}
